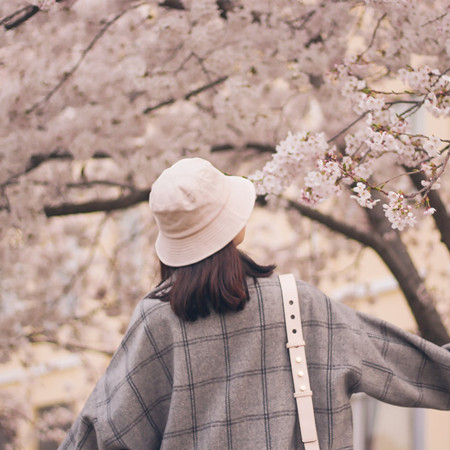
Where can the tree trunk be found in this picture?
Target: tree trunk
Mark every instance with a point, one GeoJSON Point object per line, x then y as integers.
{"type": "Point", "coordinates": [394, 253]}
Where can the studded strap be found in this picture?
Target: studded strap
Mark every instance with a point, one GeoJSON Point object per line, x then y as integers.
{"type": "Point", "coordinates": [296, 346]}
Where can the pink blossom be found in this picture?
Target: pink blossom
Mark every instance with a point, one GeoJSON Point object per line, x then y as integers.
{"type": "Point", "coordinates": [398, 212]}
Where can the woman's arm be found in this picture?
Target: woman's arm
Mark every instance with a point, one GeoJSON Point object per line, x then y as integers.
{"type": "Point", "coordinates": [401, 368]}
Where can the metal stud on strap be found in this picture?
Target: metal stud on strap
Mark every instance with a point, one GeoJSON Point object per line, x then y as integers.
{"type": "Point", "coordinates": [297, 355]}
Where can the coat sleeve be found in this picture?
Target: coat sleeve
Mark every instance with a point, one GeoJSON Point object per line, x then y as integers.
{"type": "Point", "coordinates": [129, 405]}
{"type": "Point", "coordinates": [83, 433]}
{"type": "Point", "coordinates": [401, 368]}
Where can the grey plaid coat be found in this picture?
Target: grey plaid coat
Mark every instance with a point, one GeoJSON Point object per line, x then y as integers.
{"type": "Point", "coordinates": [225, 381]}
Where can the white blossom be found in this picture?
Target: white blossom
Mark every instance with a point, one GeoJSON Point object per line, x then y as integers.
{"type": "Point", "coordinates": [431, 146]}
{"type": "Point", "coordinates": [435, 185]}
{"type": "Point", "coordinates": [363, 197]}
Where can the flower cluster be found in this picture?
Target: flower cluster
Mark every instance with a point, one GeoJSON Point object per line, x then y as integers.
{"type": "Point", "coordinates": [431, 146]}
{"type": "Point", "coordinates": [398, 212]}
{"type": "Point", "coordinates": [432, 84]}
{"type": "Point", "coordinates": [355, 89]}
{"type": "Point", "coordinates": [301, 156]}
{"type": "Point", "coordinates": [363, 196]}
{"type": "Point", "coordinates": [308, 162]}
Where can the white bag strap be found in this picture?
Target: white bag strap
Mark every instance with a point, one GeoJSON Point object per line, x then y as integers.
{"type": "Point", "coordinates": [296, 346]}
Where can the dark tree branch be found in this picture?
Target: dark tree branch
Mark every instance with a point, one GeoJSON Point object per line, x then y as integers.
{"type": "Point", "coordinates": [172, 4]}
{"type": "Point", "coordinates": [38, 159]}
{"type": "Point", "coordinates": [263, 148]}
{"type": "Point", "coordinates": [300, 22]}
{"type": "Point", "coordinates": [224, 6]}
{"type": "Point", "coordinates": [92, 183]}
{"type": "Point", "coordinates": [190, 94]}
{"type": "Point", "coordinates": [149, 109]}
{"type": "Point", "coordinates": [19, 17]}
{"type": "Point", "coordinates": [126, 201]}
{"type": "Point", "coordinates": [123, 202]}
{"type": "Point", "coordinates": [349, 231]}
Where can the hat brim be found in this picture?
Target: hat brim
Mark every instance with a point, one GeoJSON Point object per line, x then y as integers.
{"type": "Point", "coordinates": [177, 252]}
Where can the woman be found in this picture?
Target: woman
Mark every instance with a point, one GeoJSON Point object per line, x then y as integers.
{"type": "Point", "coordinates": [204, 363]}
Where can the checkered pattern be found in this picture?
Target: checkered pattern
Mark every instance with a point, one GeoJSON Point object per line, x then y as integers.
{"type": "Point", "coordinates": [225, 381]}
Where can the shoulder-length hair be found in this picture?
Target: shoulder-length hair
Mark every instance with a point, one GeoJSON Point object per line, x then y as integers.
{"type": "Point", "coordinates": [218, 282]}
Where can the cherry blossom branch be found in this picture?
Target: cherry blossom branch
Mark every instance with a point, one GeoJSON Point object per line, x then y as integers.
{"type": "Point", "coordinates": [75, 67]}
{"type": "Point", "coordinates": [360, 117]}
{"type": "Point", "coordinates": [422, 190]}
{"type": "Point", "coordinates": [427, 189]}
{"type": "Point", "coordinates": [373, 35]}
{"type": "Point", "coordinates": [441, 217]}
{"type": "Point", "coordinates": [395, 255]}
{"type": "Point", "coordinates": [379, 187]}
{"type": "Point", "coordinates": [434, 20]}
{"type": "Point", "coordinates": [399, 102]}
{"type": "Point", "coordinates": [25, 13]}
{"type": "Point", "coordinates": [304, 19]}
{"type": "Point", "coordinates": [413, 109]}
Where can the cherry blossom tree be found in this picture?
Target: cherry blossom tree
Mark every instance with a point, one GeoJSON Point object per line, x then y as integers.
{"type": "Point", "coordinates": [326, 105]}
{"type": "Point", "coordinates": [321, 102]}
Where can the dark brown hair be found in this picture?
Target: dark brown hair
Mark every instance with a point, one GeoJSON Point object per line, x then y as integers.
{"type": "Point", "coordinates": [218, 282]}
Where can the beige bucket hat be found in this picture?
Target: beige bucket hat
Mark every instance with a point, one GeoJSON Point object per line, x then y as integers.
{"type": "Point", "coordinates": [198, 209]}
